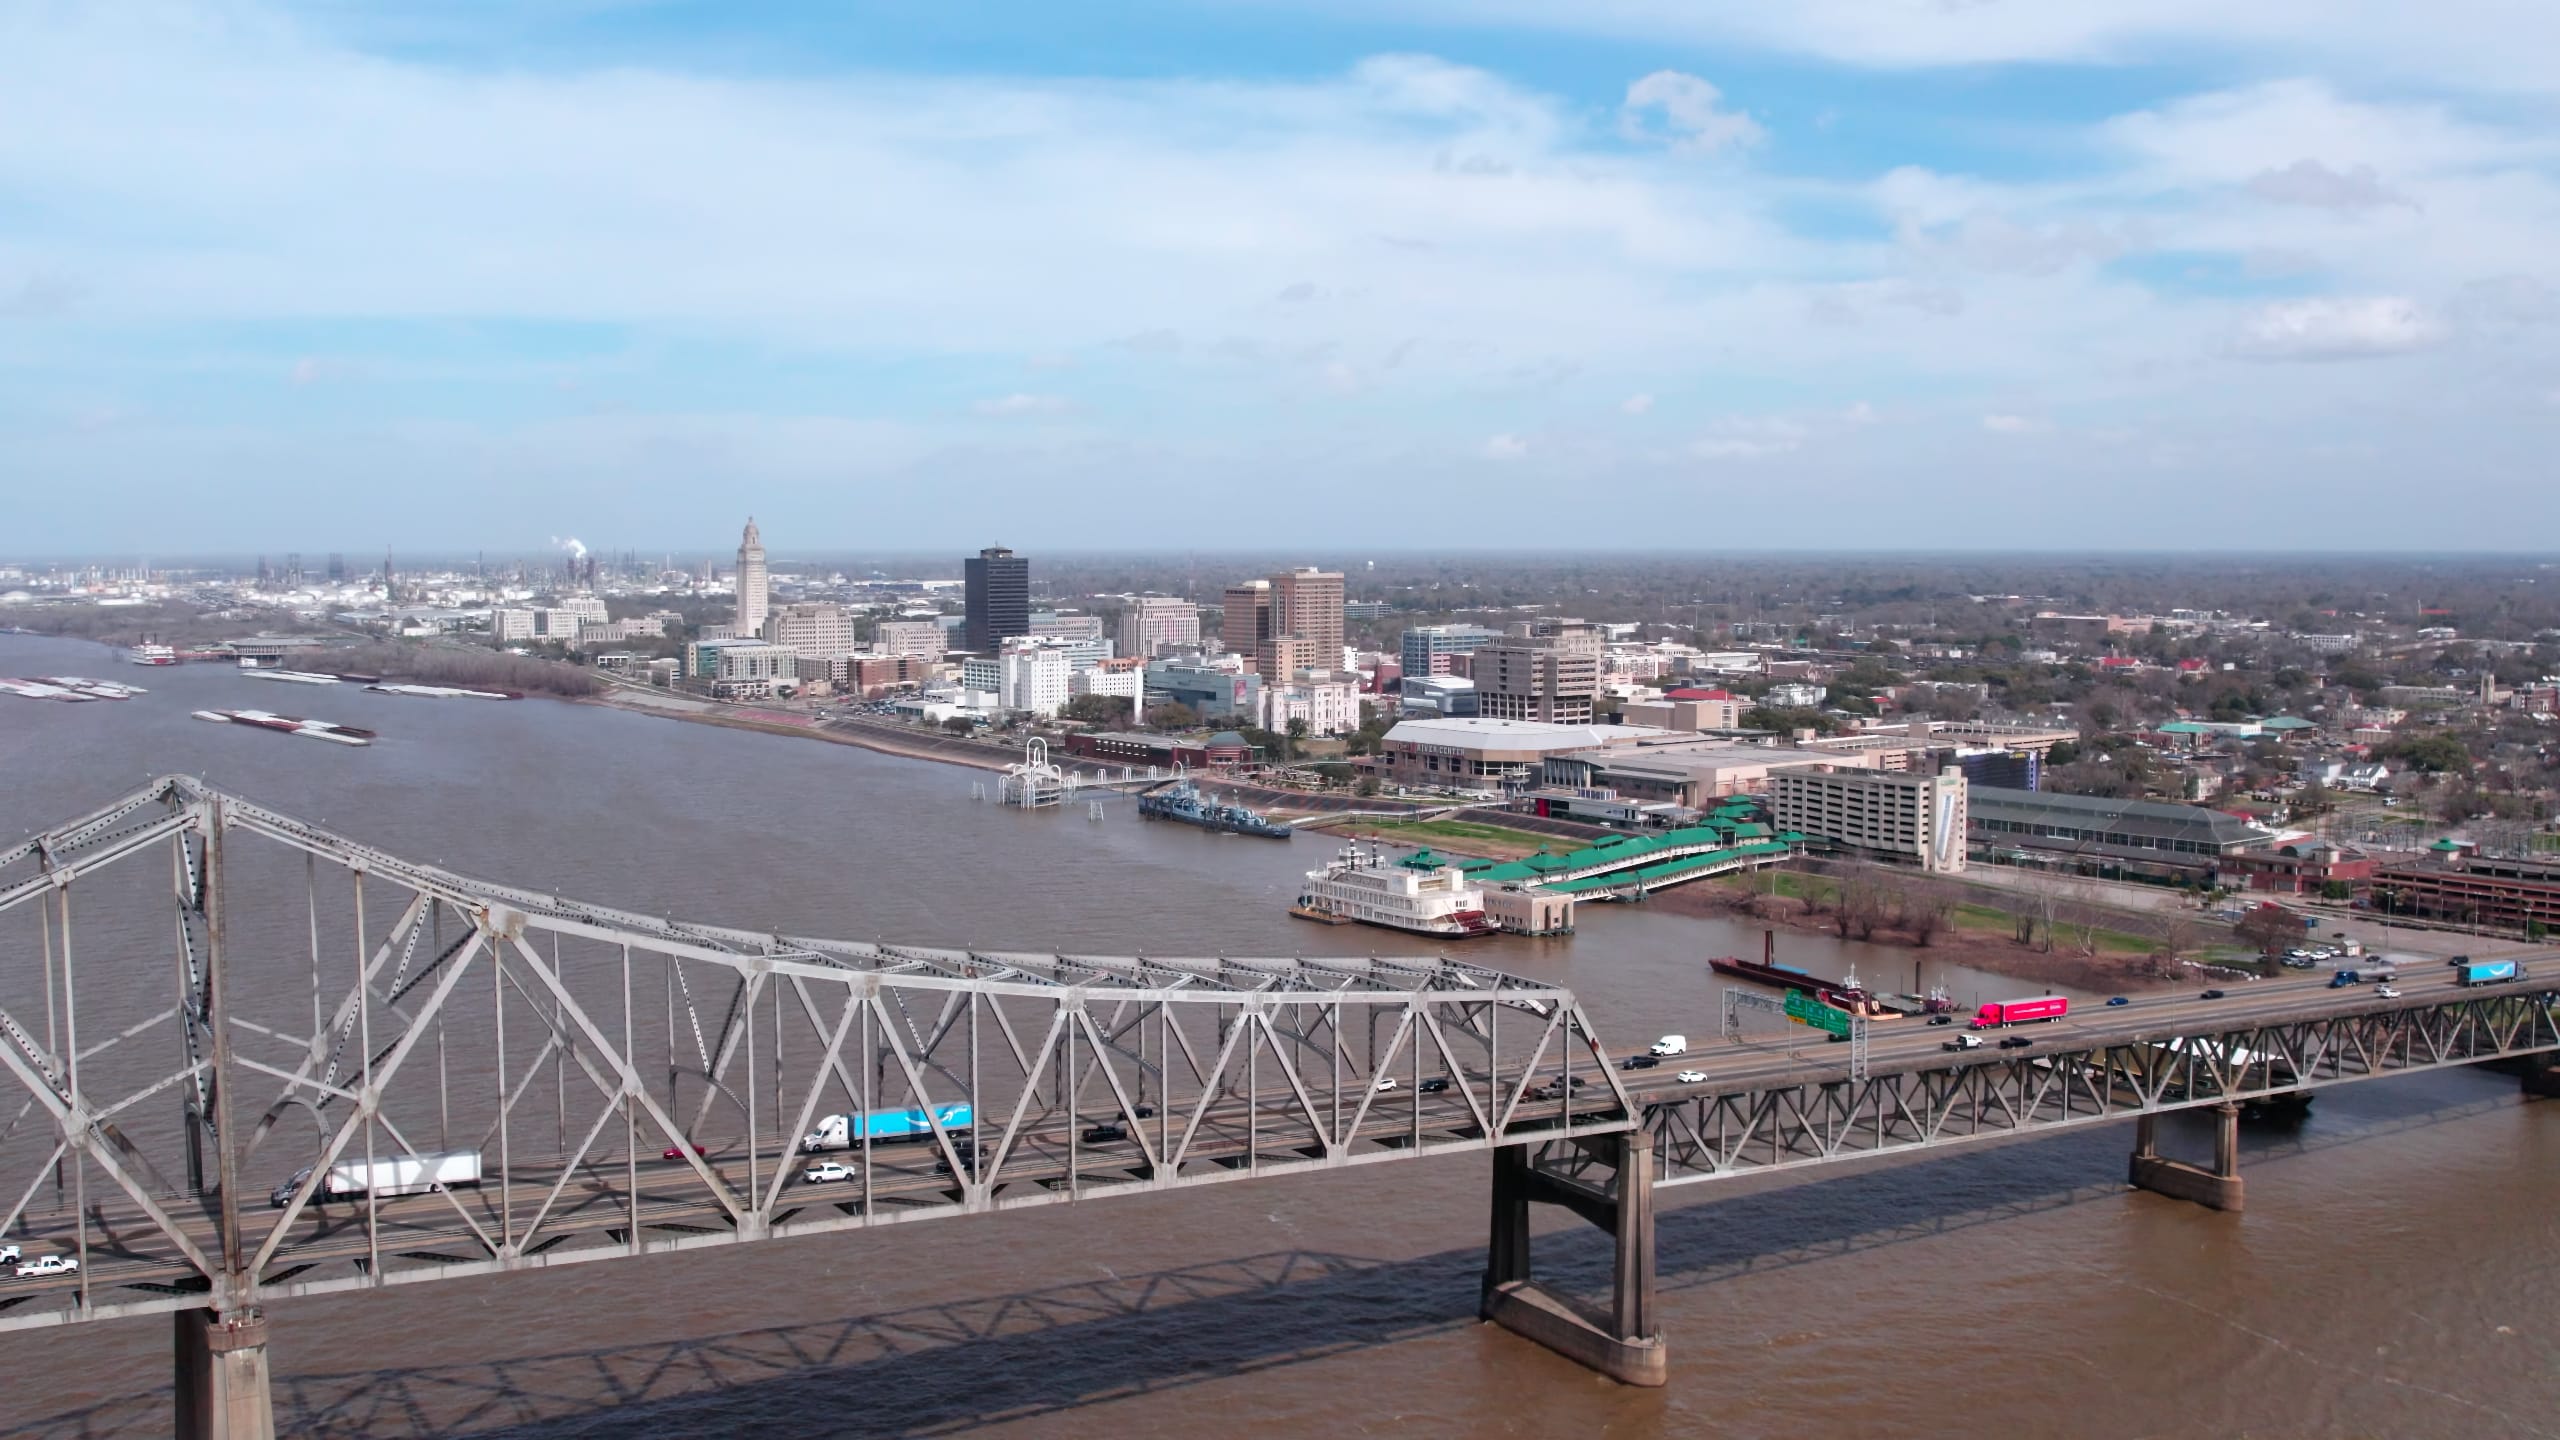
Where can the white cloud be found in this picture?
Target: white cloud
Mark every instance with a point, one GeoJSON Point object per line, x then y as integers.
{"type": "Point", "coordinates": [2337, 329]}
{"type": "Point", "coordinates": [1751, 437]}
{"type": "Point", "coordinates": [2505, 301]}
{"type": "Point", "coordinates": [1022, 404]}
{"type": "Point", "coordinates": [1732, 448]}
{"type": "Point", "coordinates": [1493, 253]}
{"type": "Point", "coordinates": [1682, 111]}
{"type": "Point", "coordinates": [923, 211]}
{"type": "Point", "coordinates": [2012, 424]}
{"type": "Point", "coordinates": [318, 369]}
{"type": "Point", "coordinates": [2493, 43]}
{"type": "Point", "coordinates": [40, 297]}
{"type": "Point", "coordinates": [2310, 183]}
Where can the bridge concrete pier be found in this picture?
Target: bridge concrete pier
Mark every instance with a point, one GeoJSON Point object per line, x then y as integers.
{"type": "Point", "coordinates": [222, 1376]}
{"type": "Point", "coordinates": [2541, 1077]}
{"type": "Point", "coordinates": [1622, 1344]}
{"type": "Point", "coordinates": [2218, 1188]}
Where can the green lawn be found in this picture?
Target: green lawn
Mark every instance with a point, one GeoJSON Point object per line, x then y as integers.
{"type": "Point", "coordinates": [2106, 942]}
{"type": "Point", "coordinates": [1421, 830]}
{"type": "Point", "coordinates": [1785, 882]}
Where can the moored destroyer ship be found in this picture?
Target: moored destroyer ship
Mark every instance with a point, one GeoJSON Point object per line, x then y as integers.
{"type": "Point", "coordinates": [1421, 893]}
{"type": "Point", "coordinates": [1184, 801]}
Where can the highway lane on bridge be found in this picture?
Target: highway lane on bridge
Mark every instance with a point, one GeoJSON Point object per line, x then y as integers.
{"type": "Point", "coordinates": [1755, 1063]}
{"type": "Point", "coordinates": [1047, 1158]}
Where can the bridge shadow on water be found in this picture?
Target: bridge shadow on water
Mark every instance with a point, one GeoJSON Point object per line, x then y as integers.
{"type": "Point", "coordinates": [949, 1367]}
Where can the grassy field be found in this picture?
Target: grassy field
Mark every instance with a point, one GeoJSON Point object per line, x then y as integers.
{"type": "Point", "coordinates": [2103, 941]}
{"type": "Point", "coordinates": [1462, 836]}
{"type": "Point", "coordinates": [1419, 830]}
{"type": "Point", "coordinates": [1785, 882]}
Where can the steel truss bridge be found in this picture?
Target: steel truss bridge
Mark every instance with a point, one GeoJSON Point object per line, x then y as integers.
{"type": "Point", "coordinates": [1779, 1114]}
{"type": "Point", "coordinates": [209, 1009]}
{"type": "Point", "coordinates": [635, 1085]}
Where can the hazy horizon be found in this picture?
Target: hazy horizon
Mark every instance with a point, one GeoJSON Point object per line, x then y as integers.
{"type": "Point", "coordinates": [1256, 559]}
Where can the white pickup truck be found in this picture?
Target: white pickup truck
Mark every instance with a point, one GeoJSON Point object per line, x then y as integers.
{"type": "Point", "coordinates": [1963, 1042]}
{"type": "Point", "coordinates": [44, 1265]}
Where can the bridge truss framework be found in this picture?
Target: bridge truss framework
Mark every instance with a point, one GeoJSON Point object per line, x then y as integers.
{"type": "Point", "coordinates": [183, 1088]}
{"type": "Point", "coordinates": [1877, 1107]}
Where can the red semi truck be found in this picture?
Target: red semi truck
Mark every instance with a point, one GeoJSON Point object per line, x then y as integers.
{"type": "Point", "coordinates": [2018, 1012]}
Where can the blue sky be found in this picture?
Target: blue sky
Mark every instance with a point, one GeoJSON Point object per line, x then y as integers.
{"type": "Point", "coordinates": [1848, 273]}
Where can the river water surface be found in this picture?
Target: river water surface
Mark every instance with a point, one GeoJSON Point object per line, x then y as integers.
{"type": "Point", "coordinates": [2397, 1272]}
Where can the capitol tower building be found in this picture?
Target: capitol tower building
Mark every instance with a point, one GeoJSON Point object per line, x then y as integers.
{"type": "Point", "coordinates": [751, 581]}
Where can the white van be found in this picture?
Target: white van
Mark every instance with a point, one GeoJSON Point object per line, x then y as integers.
{"type": "Point", "coordinates": [1670, 1045]}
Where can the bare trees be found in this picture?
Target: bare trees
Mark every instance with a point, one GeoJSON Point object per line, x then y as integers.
{"type": "Point", "coordinates": [1860, 903]}
{"type": "Point", "coordinates": [1865, 899]}
{"type": "Point", "coordinates": [1927, 906]}
{"type": "Point", "coordinates": [2033, 902]}
{"type": "Point", "coordinates": [2178, 931]}
{"type": "Point", "coordinates": [2268, 929]}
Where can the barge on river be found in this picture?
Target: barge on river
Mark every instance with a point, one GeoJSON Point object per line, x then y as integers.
{"type": "Point", "coordinates": [291, 725]}
{"type": "Point", "coordinates": [1846, 994]}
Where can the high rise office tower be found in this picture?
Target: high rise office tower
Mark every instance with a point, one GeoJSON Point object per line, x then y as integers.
{"type": "Point", "coordinates": [1153, 622]}
{"type": "Point", "coordinates": [1246, 620]}
{"type": "Point", "coordinates": [997, 596]}
{"type": "Point", "coordinates": [1307, 603]}
{"type": "Point", "coordinates": [1553, 678]}
{"type": "Point", "coordinates": [751, 581]}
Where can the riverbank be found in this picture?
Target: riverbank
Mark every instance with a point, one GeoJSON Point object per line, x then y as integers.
{"type": "Point", "coordinates": [920, 747]}
{"type": "Point", "coordinates": [915, 743]}
{"type": "Point", "coordinates": [2107, 960]}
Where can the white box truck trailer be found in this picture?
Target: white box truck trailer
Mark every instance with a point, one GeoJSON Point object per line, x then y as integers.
{"type": "Point", "coordinates": [386, 1177]}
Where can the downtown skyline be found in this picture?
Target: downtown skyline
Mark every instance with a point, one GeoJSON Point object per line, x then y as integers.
{"type": "Point", "coordinates": [1853, 277]}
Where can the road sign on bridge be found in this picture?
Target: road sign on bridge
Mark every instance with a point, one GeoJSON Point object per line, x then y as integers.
{"type": "Point", "coordinates": [1805, 1010]}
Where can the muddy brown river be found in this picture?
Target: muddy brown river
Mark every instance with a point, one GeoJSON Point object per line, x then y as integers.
{"type": "Point", "coordinates": [2397, 1272]}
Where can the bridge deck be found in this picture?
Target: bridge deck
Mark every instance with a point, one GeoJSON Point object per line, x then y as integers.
{"type": "Point", "coordinates": [1775, 1101]}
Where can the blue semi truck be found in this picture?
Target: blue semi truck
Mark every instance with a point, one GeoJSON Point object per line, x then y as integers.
{"type": "Point", "coordinates": [843, 1132]}
{"type": "Point", "coordinates": [2486, 972]}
